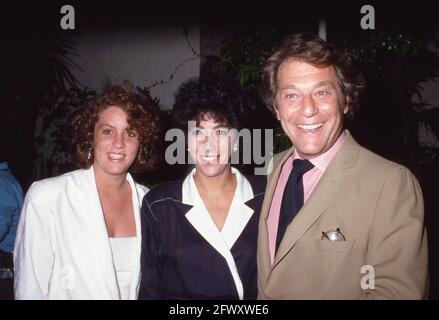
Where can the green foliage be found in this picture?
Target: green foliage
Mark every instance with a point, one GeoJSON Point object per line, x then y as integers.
{"type": "Point", "coordinates": [400, 61]}
{"type": "Point", "coordinates": [244, 55]}
{"type": "Point", "coordinates": [53, 138]}
{"type": "Point", "coordinates": [383, 43]}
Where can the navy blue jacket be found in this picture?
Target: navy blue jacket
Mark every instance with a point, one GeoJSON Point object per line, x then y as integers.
{"type": "Point", "coordinates": [178, 263]}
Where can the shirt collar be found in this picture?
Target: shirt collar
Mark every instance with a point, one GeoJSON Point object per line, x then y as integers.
{"type": "Point", "coordinates": [322, 161]}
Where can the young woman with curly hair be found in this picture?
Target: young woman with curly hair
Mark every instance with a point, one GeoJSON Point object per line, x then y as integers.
{"type": "Point", "coordinates": [79, 233]}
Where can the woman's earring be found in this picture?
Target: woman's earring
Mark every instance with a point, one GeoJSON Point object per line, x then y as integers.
{"type": "Point", "coordinates": [89, 154]}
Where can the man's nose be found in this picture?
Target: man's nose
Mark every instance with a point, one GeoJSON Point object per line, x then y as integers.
{"type": "Point", "coordinates": [308, 108]}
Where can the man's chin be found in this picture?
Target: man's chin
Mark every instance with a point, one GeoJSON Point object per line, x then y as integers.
{"type": "Point", "coordinates": [309, 152]}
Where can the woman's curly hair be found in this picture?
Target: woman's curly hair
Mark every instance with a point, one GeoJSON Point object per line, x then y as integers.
{"type": "Point", "coordinates": [143, 117]}
{"type": "Point", "coordinates": [216, 97]}
{"type": "Point", "coordinates": [309, 48]}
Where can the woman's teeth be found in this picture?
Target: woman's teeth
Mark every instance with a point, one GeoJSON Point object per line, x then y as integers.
{"type": "Point", "coordinates": [116, 156]}
{"type": "Point", "coordinates": [209, 158]}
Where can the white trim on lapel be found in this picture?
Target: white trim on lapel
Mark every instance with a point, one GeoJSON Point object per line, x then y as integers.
{"type": "Point", "coordinates": [137, 194]}
{"type": "Point", "coordinates": [236, 220]}
{"type": "Point", "coordinates": [102, 242]}
{"type": "Point", "coordinates": [239, 213]}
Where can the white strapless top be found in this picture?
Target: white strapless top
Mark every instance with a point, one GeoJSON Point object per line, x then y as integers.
{"type": "Point", "coordinates": [124, 260]}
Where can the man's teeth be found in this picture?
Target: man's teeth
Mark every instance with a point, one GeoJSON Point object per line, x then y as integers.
{"type": "Point", "coordinates": [116, 156]}
{"type": "Point", "coordinates": [310, 126]}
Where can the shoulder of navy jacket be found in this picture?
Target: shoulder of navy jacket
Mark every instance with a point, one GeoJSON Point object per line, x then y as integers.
{"type": "Point", "coordinates": [168, 189]}
{"type": "Point", "coordinates": [258, 183]}
{"type": "Point", "coordinates": [165, 193]}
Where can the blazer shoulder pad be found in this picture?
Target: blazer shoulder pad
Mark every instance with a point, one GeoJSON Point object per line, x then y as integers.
{"type": "Point", "coordinates": [168, 189]}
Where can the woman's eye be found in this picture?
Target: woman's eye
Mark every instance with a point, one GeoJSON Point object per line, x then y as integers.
{"type": "Point", "coordinates": [222, 132]}
{"type": "Point", "coordinates": [106, 132]}
{"type": "Point", "coordinates": [198, 132]}
{"type": "Point", "coordinates": [132, 134]}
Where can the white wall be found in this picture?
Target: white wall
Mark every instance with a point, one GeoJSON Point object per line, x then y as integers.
{"type": "Point", "coordinates": [142, 55]}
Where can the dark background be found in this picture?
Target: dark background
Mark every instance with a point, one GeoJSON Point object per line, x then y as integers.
{"type": "Point", "coordinates": [33, 73]}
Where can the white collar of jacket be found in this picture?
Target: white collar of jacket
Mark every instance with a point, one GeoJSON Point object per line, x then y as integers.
{"type": "Point", "coordinates": [237, 218]}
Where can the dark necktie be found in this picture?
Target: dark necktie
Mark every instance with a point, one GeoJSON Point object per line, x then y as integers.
{"type": "Point", "coordinates": [292, 200]}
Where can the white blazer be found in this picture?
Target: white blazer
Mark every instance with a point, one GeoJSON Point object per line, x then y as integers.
{"type": "Point", "coordinates": [62, 248]}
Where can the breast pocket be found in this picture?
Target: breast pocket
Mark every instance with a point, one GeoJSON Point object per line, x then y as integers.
{"type": "Point", "coordinates": [334, 246]}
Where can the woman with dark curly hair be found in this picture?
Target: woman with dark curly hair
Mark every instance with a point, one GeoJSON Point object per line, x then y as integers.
{"type": "Point", "coordinates": [199, 234]}
{"type": "Point", "coordinates": [79, 233]}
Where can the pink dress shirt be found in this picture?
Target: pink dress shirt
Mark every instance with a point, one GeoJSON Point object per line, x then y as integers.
{"type": "Point", "coordinates": [310, 180]}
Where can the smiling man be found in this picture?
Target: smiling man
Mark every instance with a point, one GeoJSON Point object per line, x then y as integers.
{"type": "Point", "coordinates": [338, 221]}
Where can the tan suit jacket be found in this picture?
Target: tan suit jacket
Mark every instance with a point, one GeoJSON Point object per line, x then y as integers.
{"type": "Point", "coordinates": [378, 206]}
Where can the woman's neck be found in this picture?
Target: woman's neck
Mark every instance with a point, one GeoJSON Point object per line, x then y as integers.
{"type": "Point", "coordinates": [109, 183]}
{"type": "Point", "coordinates": [217, 185]}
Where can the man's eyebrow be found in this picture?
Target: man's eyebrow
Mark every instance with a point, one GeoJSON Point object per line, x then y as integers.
{"type": "Point", "coordinates": [324, 83]}
{"type": "Point", "coordinates": [317, 85]}
{"type": "Point", "coordinates": [290, 86]}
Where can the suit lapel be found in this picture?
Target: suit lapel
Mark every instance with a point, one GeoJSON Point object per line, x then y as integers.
{"type": "Point", "coordinates": [199, 217]}
{"type": "Point", "coordinates": [136, 197]}
{"type": "Point", "coordinates": [239, 213]}
{"type": "Point", "coordinates": [264, 263]}
{"type": "Point", "coordinates": [101, 242]}
{"type": "Point", "coordinates": [337, 176]}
